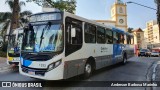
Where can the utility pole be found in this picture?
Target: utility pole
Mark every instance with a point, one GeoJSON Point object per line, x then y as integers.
{"type": "Point", "coordinates": [158, 13]}
{"type": "Point", "coordinates": [15, 16]}
{"type": "Point", "coordinates": [158, 10]}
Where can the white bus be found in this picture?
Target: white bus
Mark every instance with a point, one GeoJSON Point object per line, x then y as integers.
{"type": "Point", "coordinates": [60, 45]}
{"type": "Point", "coordinates": [14, 45]}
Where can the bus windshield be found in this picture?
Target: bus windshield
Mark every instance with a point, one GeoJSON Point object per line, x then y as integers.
{"type": "Point", "coordinates": [43, 38]}
{"type": "Point", "coordinates": [15, 40]}
{"type": "Point", "coordinates": [12, 41]}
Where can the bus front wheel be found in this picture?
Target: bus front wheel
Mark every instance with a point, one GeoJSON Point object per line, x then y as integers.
{"type": "Point", "coordinates": [87, 70]}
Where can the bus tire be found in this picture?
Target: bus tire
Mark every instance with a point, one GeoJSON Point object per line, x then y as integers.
{"type": "Point", "coordinates": [124, 59]}
{"type": "Point", "coordinates": [88, 70]}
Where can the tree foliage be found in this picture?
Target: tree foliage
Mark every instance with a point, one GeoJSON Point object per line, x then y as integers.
{"type": "Point", "coordinates": [130, 30]}
{"type": "Point", "coordinates": [11, 4]}
{"type": "Point", "coordinates": [67, 5]}
{"type": "Point", "coordinates": [5, 17]}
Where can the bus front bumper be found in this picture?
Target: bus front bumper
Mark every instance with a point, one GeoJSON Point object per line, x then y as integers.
{"type": "Point", "coordinates": [55, 74]}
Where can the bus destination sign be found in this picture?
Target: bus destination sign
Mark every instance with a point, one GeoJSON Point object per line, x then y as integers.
{"type": "Point", "coordinates": [45, 17]}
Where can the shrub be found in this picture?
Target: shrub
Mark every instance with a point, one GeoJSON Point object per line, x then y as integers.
{"type": "Point", "coordinates": [4, 47]}
{"type": "Point", "coordinates": [3, 54]}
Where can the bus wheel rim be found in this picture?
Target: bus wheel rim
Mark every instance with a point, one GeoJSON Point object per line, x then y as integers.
{"type": "Point", "coordinates": [88, 68]}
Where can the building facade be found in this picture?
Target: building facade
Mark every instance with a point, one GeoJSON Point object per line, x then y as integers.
{"type": "Point", "coordinates": [151, 33]}
{"type": "Point", "coordinates": [118, 16]}
{"type": "Point", "coordinates": [139, 38]}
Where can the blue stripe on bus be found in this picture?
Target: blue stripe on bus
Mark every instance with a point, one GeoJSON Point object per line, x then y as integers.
{"type": "Point", "coordinates": [118, 30]}
{"type": "Point", "coordinates": [117, 50]}
{"type": "Point", "coordinates": [27, 63]}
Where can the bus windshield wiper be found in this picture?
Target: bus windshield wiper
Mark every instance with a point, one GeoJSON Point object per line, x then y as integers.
{"type": "Point", "coordinates": [45, 28]}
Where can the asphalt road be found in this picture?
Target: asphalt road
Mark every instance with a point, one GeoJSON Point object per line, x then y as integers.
{"type": "Point", "coordinates": [136, 69]}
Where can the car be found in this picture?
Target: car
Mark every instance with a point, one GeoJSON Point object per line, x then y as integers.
{"type": "Point", "coordinates": [144, 52]}
{"type": "Point", "coordinates": [155, 54]}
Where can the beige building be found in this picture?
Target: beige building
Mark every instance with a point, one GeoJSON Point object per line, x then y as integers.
{"type": "Point", "coordinates": [156, 34]}
{"type": "Point", "coordinates": [118, 16]}
{"type": "Point", "coordinates": [151, 33]}
{"type": "Point", "coordinates": [139, 37]}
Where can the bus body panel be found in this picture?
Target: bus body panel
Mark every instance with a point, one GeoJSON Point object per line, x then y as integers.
{"type": "Point", "coordinates": [55, 74]}
{"type": "Point", "coordinates": [41, 66]}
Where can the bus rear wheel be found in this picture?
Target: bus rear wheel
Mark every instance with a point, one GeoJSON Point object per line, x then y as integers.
{"type": "Point", "coordinates": [88, 70]}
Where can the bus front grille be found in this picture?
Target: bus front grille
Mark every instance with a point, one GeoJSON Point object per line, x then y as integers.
{"type": "Point", "coordinates": [39, 72]}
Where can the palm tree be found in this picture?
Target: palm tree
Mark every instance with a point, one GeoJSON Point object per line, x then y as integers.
{"type": "Point", "coordinates": [6, 17]}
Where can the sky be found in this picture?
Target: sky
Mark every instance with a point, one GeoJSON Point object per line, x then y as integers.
{"type": "Point", "coordinates": [100, 10]}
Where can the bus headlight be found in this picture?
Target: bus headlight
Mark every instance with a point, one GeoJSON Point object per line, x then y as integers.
{"type": "Point", "coordinates": [54, 65]}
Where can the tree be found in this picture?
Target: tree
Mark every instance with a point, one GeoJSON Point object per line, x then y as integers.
{"type": "Point", "coordinates": [15, 14]}
{"type": "Point", "coordinates": [130, 30]}
{"type": "Point", "coordinates": [67, 5]}
{"type": "Point", "coordinates": [5, 17]}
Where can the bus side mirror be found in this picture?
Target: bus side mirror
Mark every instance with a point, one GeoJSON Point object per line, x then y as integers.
{"type": "Point", "coordinates": [73, 32]}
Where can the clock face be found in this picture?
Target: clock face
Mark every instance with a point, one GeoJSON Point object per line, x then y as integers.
{"type": "Point", "coordinates": [121, 21]}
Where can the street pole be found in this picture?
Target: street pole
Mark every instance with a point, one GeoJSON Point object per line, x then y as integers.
{"type": "Point", "coordinates": [158, 13]}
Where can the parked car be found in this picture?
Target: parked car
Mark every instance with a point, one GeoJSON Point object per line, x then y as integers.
{"type": "Point", "coordinates": [155, 54]}
{"type": "Point", "coordinates": [144, 52]}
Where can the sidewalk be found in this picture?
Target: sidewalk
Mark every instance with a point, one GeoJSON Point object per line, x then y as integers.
{"type": "Point", "coordinates": [3, 65]}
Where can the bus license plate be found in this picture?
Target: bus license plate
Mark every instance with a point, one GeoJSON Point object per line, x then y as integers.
{"type": "Point", "coordinates": [31, 72]}
{"type": "Point", "coordinates": [16, 59]}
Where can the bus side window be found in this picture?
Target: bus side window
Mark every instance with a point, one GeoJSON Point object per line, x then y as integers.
{"type": "Point", "coordinates": [115, 38]}
{"type": "Point", "coordinates": [125, 39]}
{"type": "Point", "coordinates": [100, 35]}
{"type": "Point", "coordinates": [121, 38]}
{"type": "Point", "coordinates": [78, 35]}
{"type": "Point", "coordinates": [73, 43]}
{"type": "Point", "coordinates": [132, 40]}
{"type": "Point", "coordinates": [109, 36]}
{"type": "Point", "coordinates": [90, 33]}
{"type": "Point", "coordinates": [78, 32]}
{"type": "Point", "coordinates": [129, 39]}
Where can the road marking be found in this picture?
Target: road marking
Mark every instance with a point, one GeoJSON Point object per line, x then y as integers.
{"type": "Point", "coordinates": [154, 73]}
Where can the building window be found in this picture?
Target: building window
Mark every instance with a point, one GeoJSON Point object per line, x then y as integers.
{"type": "Point", "coordinates": [138, 35]}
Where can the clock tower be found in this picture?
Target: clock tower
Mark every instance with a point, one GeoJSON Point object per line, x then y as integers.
{"type": "Point", "coordinates": [119, 14]}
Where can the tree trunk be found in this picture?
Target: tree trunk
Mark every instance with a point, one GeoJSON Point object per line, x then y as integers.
{"type": "Point", "coordinates": [15, 16]}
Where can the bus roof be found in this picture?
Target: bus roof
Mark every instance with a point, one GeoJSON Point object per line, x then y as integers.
{"type": "Point", "coordinates": [118, 30]}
